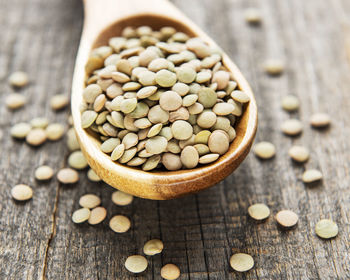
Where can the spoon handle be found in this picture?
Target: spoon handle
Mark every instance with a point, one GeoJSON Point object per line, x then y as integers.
{"type": "Point", "coordinates": [101, 13]}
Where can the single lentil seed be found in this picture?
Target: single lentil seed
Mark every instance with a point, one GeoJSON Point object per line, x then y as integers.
{"type": "Point", "coordinates": [40, 122]}
{"type": "Point", "coordinates": [81, 215]}
{"type": "Point", "coordinates": [59, 101]}
{"type": "Point", "coordinates": [287, 218]}
{"type": "Point", "coordinates": [153, 247]}
{"type": "Point", "coordinates": [67, 176]}
{"type": "Point", "coordinates": [299, 153]}
{"type": "Point", "coordinates": [170, 272]}
{"type": "Point", "coordinates": [311, 175]}
{"type": "Point", "coordinates": [292, 127]}
{"type": "Point", "coordinates": [20, 130]}
{"type": "Point", "coordinates": [22, 192]}
{"type": "Point", "coordinates": [136, 263]}
{"type": "Point", "coordinates": [77, 160]}
{"type": "Point", "coordinates": [121, 198]}
{"type": "Point", "coordinates": [18, 79]}
{"type": "Point", "coordinates": [36, 137]}
{"type": "Point", "coordinates": [320, 120]}
{"type": "Point", "coordinates": [290, 103]}
{"type": "Point", "coordinates": [241, 262]}
{"type": "Point", "coordinates": [92, 176]}
{"type": "Point", "coordinates": [252, 16]}
{"type": "Point", "coordinates": [43, 173]}
{"type": "Point", "coordinates": [15, 101]}
{"type": "Point", "coordinates": [119, 224]}
{"type": "Point", "coordinates": [208, 158]}
{"type": "Point", "coordinates": [274, 67]}
{"type": "Point", "coordinates": [264, 150]}
{"type": "Point", "coordinates": [54, 131]}
{"type": "Point", "coordinates": [97, 215]}
{"type": "Point", "coordinates": [259, 211]}
{"type": "Point", "coordinates": [89, 201]}
{"type": "Point", "coordinates": [326, 229]}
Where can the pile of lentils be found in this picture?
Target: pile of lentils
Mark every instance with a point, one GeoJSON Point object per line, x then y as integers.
{"type": "Point", "coordinates": [160, 99]}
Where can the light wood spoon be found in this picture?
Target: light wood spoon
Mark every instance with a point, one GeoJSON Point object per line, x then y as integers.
{"type": "Point", "coordinates": [105, 19]}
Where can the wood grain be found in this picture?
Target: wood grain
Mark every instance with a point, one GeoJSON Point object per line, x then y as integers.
{"type": "Point", "coordinates": [200, 232]}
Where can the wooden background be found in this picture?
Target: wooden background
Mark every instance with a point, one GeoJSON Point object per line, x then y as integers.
{"type": "Point", "coordinates": [200, 232]}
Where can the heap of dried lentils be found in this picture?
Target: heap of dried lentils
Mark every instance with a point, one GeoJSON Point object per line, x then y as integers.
{"type": "Point", "coordinates": [160, 99]}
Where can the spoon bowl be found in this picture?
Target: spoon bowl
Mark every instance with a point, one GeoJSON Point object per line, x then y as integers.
{"type": "Point", "coordinates": [107, 18]}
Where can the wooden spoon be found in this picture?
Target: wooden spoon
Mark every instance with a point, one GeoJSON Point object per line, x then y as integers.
{"type": "Point", "coordinates": [105, 19]}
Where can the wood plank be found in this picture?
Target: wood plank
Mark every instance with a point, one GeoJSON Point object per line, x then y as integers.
{"type": "Point", "coordinates": [201, 231]}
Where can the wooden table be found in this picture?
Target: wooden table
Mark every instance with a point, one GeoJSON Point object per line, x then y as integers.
{"type": "Point", "coordinates": [200, 232]}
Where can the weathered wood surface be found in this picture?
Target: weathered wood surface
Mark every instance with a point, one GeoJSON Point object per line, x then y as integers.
{"type": "Point", "coordinates": [200, 232]}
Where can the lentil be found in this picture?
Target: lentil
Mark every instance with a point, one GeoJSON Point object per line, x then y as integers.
{"type": "Point", "coordinates": [68, 176]}
{"type": "Point", "coordinates": [170, 272]}
{"type": "Point", "coordinates": [59, 101]}
{"type": "Point", "coordinates": [43, 173]}
{"type": "Point", "coordinates": [119, 224]}
{"type": "Point", "coordinates": [241, 262]}
{"type": "Point", "coordinates": [15, 101]}
{"type": "Point", "coordinates": [153, 247]}
{"type": "Point", "coordinates": [312, 175]}
{"type": "Point", "coordinates": [97, 215]}
{"type": "Point", "coordinates": [326, 229]}
{"type": "Point", "coordinates": [18, 79]}
{"type": "Point", "coordinates": [81, 215]}
{"type": "Point", "coordinates": [259, 211]}
{"type": "Point", "coordinates": [136, 264]}
{"type": "Point", "coordinates": [320, 120]}
{"type": "Point", "coordinates": [299, 153]}
{"type": "Point", "coordinates": [121, 198]}
{"type": "Point", "coordinates": [89, 201]}
{"type": "Point", "coordinates": [22, 192]}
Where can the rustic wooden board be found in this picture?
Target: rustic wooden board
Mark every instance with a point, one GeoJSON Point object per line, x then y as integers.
{"type": "Point", "coordinates": [200, 232]}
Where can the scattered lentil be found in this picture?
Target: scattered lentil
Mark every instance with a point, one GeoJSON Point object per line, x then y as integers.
{"type": "Point", "coordinates": [312, 175]}
{"type": "Point", "coordinates": [121, 198]}
{"type": "Point", "coordinates": [67, 176]}
{"type": "Point", "coordinates": [43, 173]}
{"type": "Point", "coordinates": [290, 103]}
{"type": "Point", "coordinates": [54, 131]}
{"type": "Point", "coordinates": [259, 211]}
{"type": "Point", "coordinates": [153, 247]}
{"type": "Point", "coordinates": [18, 79]}
{"type": "Point", "coordinates": [15, 101]}
{"type": "Point", "coordinates": [39, 122]}
{"type": "Point", "coordinates": [77, 160]}
{"type": "Point", "coordinates": [92, 176]}
{"type": "Point", "coordinates": [326, 229]}
{"type": "Point", "coordinates": [97, 215]}
{"type": "Point", "coordinates": [320, 120]}
{"type": "Point", "coordinates": [252, 16]}
{"type": "Point", "coordinates": [119, 224]}
{"type": "Point", "coordinates": [299, 153]}
{"type": "Point", "coordinates": [36, 137]}
{"type": "Point", "coordinates": [89, 201]}
{"type": "Point", "coordinates": [22, 192]}
{"type": "Point", "coordinates": [170, 272]}
{"type": "Point", "coordinates": [287, 218]}
{"type": "Point", "coordinates": [241, 262]}
{"type": "Point", "coordinates": [20, 130]}
{"type": "Point", "coordinates": [59, 101]}
{"type": "Point", "coordinates": [274, 67]}
{"type": "Point", "coordinates": [81, 215]}
{"type": "Point", "coordinates": [136, 263]}
{"type": "Point", "coordinates": [292, 127]}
